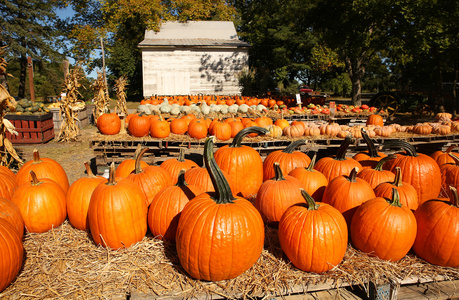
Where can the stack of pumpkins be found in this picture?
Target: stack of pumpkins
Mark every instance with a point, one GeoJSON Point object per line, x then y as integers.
{"type": "Point", "coordinates": [385, 204]}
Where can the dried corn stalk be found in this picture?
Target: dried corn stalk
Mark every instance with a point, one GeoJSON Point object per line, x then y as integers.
{"type": "Point", "coordinates": [69, 128]}
{"type": "Point", "coordinates": [100, 98]}
{"type": "Point", "coordinates": [120, 87]}
{"type": "Point", "coordinates": [7, 152]}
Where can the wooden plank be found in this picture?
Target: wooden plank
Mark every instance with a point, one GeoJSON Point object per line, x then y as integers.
{"type": "Point", "coordinates": [432, 290]}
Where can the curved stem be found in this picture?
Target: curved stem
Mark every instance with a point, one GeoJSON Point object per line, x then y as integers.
{"type": "Point", "coordinates": [372, 151]}
{"type": "Point", "coordinates": [181, 155]}
{"type": "Point", "coordinates": [410, 150]}
{"type": "Point", "coordinates": [398, 177]}
{"type": "Point", "coordinates": [353, 175]}
{"type": "Point", "coordinates": [341, 155]}
{"type": "Point", "coordinates": [312, 205]}
{"type": "Point", "coordinates": [290, 148]}
{"type": "Point", "coordinates": [181, 178]}
{"type": "Point", "coordinates": [221, 185]}
{"type": "Point", "coordinates": [35, 180]}
{"type": "Point", "coordinates": [138, 160]}
{"type": "Point", "coordinates": [278, 176]}
{"type": "Point", "coordinates": [137, 151]}
{"type": "Point", "coordinates": [395, 201]}
{"type": "Point", "coordinates": [312, 163]}
{"type": "Point", "coordinates": [111, 176]}
{"type": "Point", "coordinates": [241, 134]}
{"type": "Point", "coordinates": [36, 157]}
{"type": "Point", "coordinates": [450, 148]}
{"type": "Point", "coordinates": [89, 171]}
{"type": "Point", "coordinates": [455, 198]}
{"type": "Point", "coordinates": [383, 160]}
{"type": "Point", "coordinates": [455, 157]}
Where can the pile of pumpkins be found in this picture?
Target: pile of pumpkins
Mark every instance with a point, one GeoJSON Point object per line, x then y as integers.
{"type": "Point", "coordinates": [28, 107]}
{"type": "Point", "coordinates": [156, 126]}
{"type": "Point", "coordinates": [216, 214]}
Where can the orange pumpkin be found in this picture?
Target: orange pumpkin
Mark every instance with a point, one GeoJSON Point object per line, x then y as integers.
{"type": "Point", "coordinates": [11, 213]}
{"type": "Point", "coordinates": [11, 252]}
{"type": "Point", "coordinates": [314, 182]}
{"type": "Point", "coordinates": [139, 125]}
{"type": "Point", "coordinates": [109, 123]}
{"type": "Point", "coordinates": [128, 165]}
{"type": "Point", "coordinates": [369, 158]}
{"type": "Point", "coordinates": [407, 193]}
{"type": "Point", "coordinates": [377, 175]}
{"type": "Point", "coordinates": [159, 128]}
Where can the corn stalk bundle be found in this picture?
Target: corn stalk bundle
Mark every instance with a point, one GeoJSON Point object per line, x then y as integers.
{"type": "Point", "coordinates": [7, 152]}
{"type": "Point", "coordinates": [69, 129]}
{"type": "Point", "coordinates": [100, 97]}
{"type": "Point", "coordinates": [120, 87]}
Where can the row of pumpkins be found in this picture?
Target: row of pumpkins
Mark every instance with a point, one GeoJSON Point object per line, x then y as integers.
{"type": "Point", "coordinates": [385, 204]}
{"type": "Point", "coordinates": [140, 125]}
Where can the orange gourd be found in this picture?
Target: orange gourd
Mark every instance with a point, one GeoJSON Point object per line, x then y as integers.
{"type": "Point", "coordinates": [314, 182]}
{"type": "Point", "coordinates": [109, 123]}
{"type": "Point", "coordinates": [11, 252]}
{"type": "Point", "coordinates": [407, 193]}
{"type": "Point", "coordinates": [174, 165]}
{"type": "Point", "coordinates": [11, 213]}
{"type": "Point", "coordinates": [127, 166]}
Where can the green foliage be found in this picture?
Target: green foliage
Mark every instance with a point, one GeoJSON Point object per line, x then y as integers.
{"type": "Point", "coordinates": [341, 85]}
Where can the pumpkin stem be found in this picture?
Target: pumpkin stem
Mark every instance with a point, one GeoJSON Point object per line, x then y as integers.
{"type": "Point", "coordinates": [290, 148]}
{"type": "Point", "coordinates": [88, 170]}
{"type": "Point", "coordinates": [312, 163]}
{"type": "Point", "coordinates": [181, 178]}
{"type": "Point", "coordinates": [241, 134]}
{"type": "Point", "coordinates": [395, 201]}
{"type": "Point", "coordinates": [450, 148]}
{"type": "Point", "coordinates": [221, 185]}
{"type": "Point", "coordinates": [137, 151]}
{"type": "Point", "coordinates": [312, 205]}
{"type": "Point", "coordinates": [372, 151]}
{"type": "Point", "coordinates": [111, 176]}
{"type": "Point", "coordinates": [341, 155]}
{"type": "Point", "coordinates": [36, 157]}
{"type": "Point", "coordinates": [35, 180]}
{"type": "Point", "coordinates": [383, 160]}
{"type": "Point", "coordinates": [398, 177]}
{"type": "Point", "coordinates": [353, 175]}
{"type": "Point", "coordinates": [138, 160]}
{"type": "Point", "coordinates": [181, 155]}
{"type": "Point", "coordinates": [454, 200]}
{"type": "Point", "coordinates": [278, 176]}
{"type": "Point", "coordinates": [455, 157]}
{"type": "Point", "coordinates": [410, 150]}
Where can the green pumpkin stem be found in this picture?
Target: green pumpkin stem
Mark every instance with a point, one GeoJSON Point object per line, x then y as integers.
{"type": "Point", "coordinates": [372, 151]}
{"type": "Point", "coordinates": [181, 178]}
{"type": "Point", "coordinates": [310, 168]}
{"type": "Point", "coordinates": [341, 154]}
{"type": "Point", "coordinates": [312, 205]}
{"type": "Point", "coordinates": [221, 185]}
{"type": "Point", "coordinates": [410, 150]}
{"type": "Point", "coordinates": [138, 160]}
{"type": "Point", "coordinates": [278, 176]}
{"type": "Point", "coordinates": [35, 180]}
{"type": "Point", "coordinates": [36, 157]}
{"type": "Point", "coordinates": [455, 198]}
{"type": "Point", "coordinates": [241, 134]}
{"type": "Point", "coordinates": [398, 177]}
{"type": "Point", "coordinates": [88, 170]}
{"type": "Point", "coordinates": [290, 148]}
{"type": "Point", "coordinates": [353, 175]}
{"type": "Point", "coordinates": [382, 161]}
{"type": "Point", "coordinates": [395, 201]}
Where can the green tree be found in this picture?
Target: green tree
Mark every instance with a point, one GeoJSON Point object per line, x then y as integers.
{"type": "Point", "coordinates": [27, 28]}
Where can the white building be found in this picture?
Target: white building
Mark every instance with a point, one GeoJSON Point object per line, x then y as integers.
{"type": "Point", "coordinates": [198, 57]}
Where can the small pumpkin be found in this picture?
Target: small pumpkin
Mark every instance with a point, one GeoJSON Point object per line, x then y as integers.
{"type": "Point", "coordinates": [375, 119]}
{"type": "Point", "coordinates": [314, 182]}
{"type": "Point", "coordinates": [293, 131]}
{"type": "Point", "coordinates": [109, 123]}
{"type": "Point", "coordinates": [139, 125]}
{"type": "Point", "coordinates": [384, 228]}
{"type": "Point", "coordinates": [159, 128]}
{"type": "Point", "coordinates": [377, 175]}
{"type": "Point", "coordinates": [174, 165]}
{"type": "Point", "coordinates": [407, 193]}
{"type": "Point", "coordinates": [313, 235]}
{"type": "Point", "coordinates": [127, 166]}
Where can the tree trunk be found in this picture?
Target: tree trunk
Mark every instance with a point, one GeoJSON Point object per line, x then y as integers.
{"type": "Point", "coordinates": [22, 76]}
{"type": "Point", "coordinates": [356, 69]}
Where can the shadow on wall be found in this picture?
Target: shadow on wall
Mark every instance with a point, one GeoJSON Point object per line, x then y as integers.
{"type": "Point", "coordinates": [218, 70]}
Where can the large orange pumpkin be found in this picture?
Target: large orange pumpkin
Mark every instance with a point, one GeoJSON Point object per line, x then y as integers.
{"type": "Point", "coordinates": [109, 123]}
{"type": "Point", "coordinates": [288, 159]}
{"type": "Point", "coordinates": [438, 231]}
{"type": "Point", "coordinates": [419, 170]}
{"type": "Point", "coordinates": [175, 165]}
{"type": "Point", "coordinates": [43, 168]}
{"type": "Point", "coordinates": [117, 213]}
{"type": "Point", "coordinates": [7, 186]}
{"type": "Point", "coordinates": [450, 175]}
{"type": "Point", "coordinates": [314, 182]}
{"type": "Point", "coordinates": [444, 157]}
{"type": "Point", "coordinates": [377, 175]}
{"type": "Point", "coordinates": [276, 195]}
{"type": "Point", "coordinates": [11, 252]}
{"type": "Point", "coordinates": [11, 213]}
{"type": "Point", "coordinates": [219, 236]}
{"type": "Point", "coordinates": [339, 164]}
{"type": "Point", "coordinates": [346, 193]}
{"type": "Point", "coordinates": [78, 197]}
{"type": "Point", "coordinates": [139, 125]}
{"type": "Point", "coordinates": [384, 228]}
{"type": "Point", "coordinates": [127, 166]}
{"type": "Point", "coordinates": [166, 207]}
{"type": "Point", "coordinates": [313, 235]}
{"type": "Point", "coordinates": [42, 204]}
{"type": "Point", "coordinates": [242, 163]}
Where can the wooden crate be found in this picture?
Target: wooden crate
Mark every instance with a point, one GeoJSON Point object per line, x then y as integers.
{"type": "Point", "coordinates": [32, 129]}
{"type": "Point", "coordinates": [82, 115]}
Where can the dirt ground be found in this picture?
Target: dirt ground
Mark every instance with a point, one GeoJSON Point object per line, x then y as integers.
{"type": "Point", "coordinates": [71, 155]}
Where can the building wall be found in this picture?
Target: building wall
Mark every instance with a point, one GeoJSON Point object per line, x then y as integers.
{"type": "Point", "coordinates": [190, 71]}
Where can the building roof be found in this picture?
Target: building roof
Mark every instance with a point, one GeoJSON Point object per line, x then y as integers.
{"type": "Point", "coordinates": [220, 34]}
